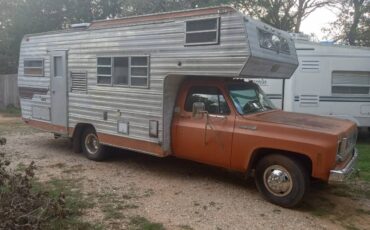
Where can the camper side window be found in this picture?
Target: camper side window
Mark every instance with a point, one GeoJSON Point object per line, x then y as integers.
{"type": "Point", "coordinates": [123, 71]}
{"type": "Point", "coordinates": [34, 67]}
{"type": "Point", "coordinates": [351, 82]}
{"type": "Point", "coordinates": [202, 32]}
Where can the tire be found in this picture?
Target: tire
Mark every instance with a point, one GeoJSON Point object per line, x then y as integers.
{"type": "Point", "coordinates": [281, 168]}
{"type": "Point", "coordinates": [91, 147]}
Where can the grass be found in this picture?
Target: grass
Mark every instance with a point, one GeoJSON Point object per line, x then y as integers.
{"type": "Point", "coordinates": [364, 161]}
{"type": "Point", "coordinates": [141, 223]}
{"type": "Point", "coordinates": [75, 202]}
{"type": "Point", "coordinates": [318, 206]}
{"type": "Point", "coordinates": [16, 127]}
{"type": "Point", "coordinates": [112, 211]}
{"type": "Point", "coordinates": [11, 111]}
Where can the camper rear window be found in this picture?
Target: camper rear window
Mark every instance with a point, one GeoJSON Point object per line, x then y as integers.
{"type": "Point", "coordinates": [123, 71]}
{"type": "Point", "coordinates": [34, 67]}
{"type": "Point", "coordinates": [202, 32]}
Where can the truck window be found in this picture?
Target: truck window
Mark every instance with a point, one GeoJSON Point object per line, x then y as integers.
{"type": "Point", "coordinates": [212, 97]}
{"type": "Point", "coordinates": [249, 98]}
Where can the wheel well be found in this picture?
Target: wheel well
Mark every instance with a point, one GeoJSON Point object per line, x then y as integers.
{"type": "Point", "coordinates": [260, 153]}
{"type": "Point", "coordinates": [77, 134]}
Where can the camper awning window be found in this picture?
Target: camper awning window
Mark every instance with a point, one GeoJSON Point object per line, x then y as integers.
{"type": "Point", "coordinates": [202, 32]}
{"type": "Point", "coordinates": [34, 67]}
{"type": "Point", "coordinates": [123, 71]}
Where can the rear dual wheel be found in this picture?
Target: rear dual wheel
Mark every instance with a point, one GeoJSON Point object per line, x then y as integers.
{"type": "Point", "coordinates": [282, 180]}
{"type": "Point", "coordinates": [91, 146]}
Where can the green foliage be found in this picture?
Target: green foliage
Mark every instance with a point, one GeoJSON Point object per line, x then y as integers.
{"type": "Point", "coordinates": [353, 24]}
{"type": "Point", "coordinates": [26, 204]}
{"type": "Point", "coordinates": [141, 223]}
{"type": "Point", "coordinates": [364, 161]}
{"type": "Point", "coordinates": [20, 17]}
{"type": "Point", "coordinates": [286, 15]}
{"type": "Point", "coordinates": [10, 111]}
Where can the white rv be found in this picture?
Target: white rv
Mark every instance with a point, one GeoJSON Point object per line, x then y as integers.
{"type": "Point", "coordinates": [331, 80]}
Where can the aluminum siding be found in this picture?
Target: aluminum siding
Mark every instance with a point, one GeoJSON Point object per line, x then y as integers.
{"type": "Point", "coordinates": [162, 41]}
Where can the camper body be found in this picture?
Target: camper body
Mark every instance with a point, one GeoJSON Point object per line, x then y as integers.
{"type": "Point", "coordinates": [169, 84]}
{"type": "Point", "coordinates": [331, 80]}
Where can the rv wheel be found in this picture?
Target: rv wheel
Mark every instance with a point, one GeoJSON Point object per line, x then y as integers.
{"type": "Point", "coordinates": [91, 146]}
{"type": "Point", "coordinates": [282, 180]}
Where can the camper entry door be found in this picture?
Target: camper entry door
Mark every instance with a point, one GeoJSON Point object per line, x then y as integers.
{"type": "Point", "coordinates": [59, 89]}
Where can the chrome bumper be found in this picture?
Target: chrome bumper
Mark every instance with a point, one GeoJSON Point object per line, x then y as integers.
{"type": "Point", "coordinates": [344, 174]}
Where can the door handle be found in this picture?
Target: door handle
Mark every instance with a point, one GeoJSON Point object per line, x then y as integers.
{"type": "Point", "coordinates": [53, 91]}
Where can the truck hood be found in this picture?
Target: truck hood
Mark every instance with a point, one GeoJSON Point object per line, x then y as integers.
{"type": "Point", "coordinates": [324, 124]}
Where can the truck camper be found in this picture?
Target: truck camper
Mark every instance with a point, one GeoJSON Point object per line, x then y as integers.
{"type": "Point", "coordinates": [172, 84]}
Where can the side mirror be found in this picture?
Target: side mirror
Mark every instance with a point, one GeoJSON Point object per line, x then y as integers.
{"type": "Point", "coordinates": [199, 109]}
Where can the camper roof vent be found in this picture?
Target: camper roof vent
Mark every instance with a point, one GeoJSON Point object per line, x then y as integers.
{"type": "Point", "coordinates": [80, 25]}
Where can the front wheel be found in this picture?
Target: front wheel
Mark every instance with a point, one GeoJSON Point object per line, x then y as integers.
{"type": "Point", "coordinates": [282, 180]}
{"type": "Point", "coordinates": [91, 146]}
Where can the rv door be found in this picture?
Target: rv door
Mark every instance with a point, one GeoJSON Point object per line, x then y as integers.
{"type": "Point", "coordinates": [58, 75]}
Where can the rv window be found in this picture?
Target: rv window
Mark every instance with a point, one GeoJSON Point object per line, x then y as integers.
{"type": "Point", "coordinates": [105, 71]}
{"type": "Point", "coordinates": [58, 66]}
{"type": "Point", "coordinates": [127, 71]}
{"type": "Point", "coordinates": [350, 90]}
{"type": "Point", "coordinates": [121, 71]}
{"type": "Point", "coordinates": [350, 82]}
{"type": "Point", "coordinates": [202, 32]}
{"type": "Point", "coordinates": [139, 71]}
{"type": "Point", "coordinates": [34, 68]}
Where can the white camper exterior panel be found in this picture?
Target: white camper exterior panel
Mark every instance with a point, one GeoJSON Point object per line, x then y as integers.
{"type": "Point", "coordinates": [330, 80]}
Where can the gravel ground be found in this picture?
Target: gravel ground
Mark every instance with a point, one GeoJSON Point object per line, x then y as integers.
{"type": "Point", "coordinates": [177, 193]}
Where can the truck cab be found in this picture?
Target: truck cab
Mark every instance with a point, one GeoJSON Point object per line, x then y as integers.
{"type": "Point", "coordinates": [232, 124]}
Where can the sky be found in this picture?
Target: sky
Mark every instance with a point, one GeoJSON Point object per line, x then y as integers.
{"type": "Point", "coordinates": [317, 20]}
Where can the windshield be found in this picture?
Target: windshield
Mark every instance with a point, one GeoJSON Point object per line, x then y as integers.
{"type": "Point", "coordinates": [249, 98]}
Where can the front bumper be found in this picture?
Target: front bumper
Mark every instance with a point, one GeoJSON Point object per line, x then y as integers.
{"type": "Point", "coordinates": [350, 170]}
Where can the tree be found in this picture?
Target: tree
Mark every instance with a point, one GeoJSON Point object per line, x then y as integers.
{"type": "Point", "coordinates": [283, 14]}
{"type": "Point", "coordinates": [353, 24]}
{"type": "Point", "coordinates": [139, 7]}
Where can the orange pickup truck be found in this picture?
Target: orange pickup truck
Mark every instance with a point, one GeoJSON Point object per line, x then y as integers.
{"type": "Point", "coordinates": [170, 84]}
{"type": "Point", "coordinates": [232, 124]}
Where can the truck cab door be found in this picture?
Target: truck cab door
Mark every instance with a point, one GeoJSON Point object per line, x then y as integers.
{"type": "Point", "coordinates": [207, 137]}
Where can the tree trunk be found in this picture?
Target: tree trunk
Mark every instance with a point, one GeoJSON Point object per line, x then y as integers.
{"type": "Point", "coordinates": [352, 34]}
{"type": "Point", "coordinates": [300, 14]}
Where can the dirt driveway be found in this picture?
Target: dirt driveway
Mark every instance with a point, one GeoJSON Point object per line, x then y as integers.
{"type": "Point", "coordinates": [176, 193]}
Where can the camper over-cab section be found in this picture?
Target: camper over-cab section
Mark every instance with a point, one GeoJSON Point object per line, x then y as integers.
{"type": "Point", "coordinates": [170, 84]}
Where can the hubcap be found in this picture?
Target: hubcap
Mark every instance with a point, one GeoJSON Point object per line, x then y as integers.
{"type": "Point", "coordinates": [92, 143]}
{"type": "Point", "coordinates": [278, 180]}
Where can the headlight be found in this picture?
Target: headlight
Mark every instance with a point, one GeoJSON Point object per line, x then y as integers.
{"type": "Point", "coordinates": [342, 148]}
{"type": "Point", "coordinates": [346, 146]}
